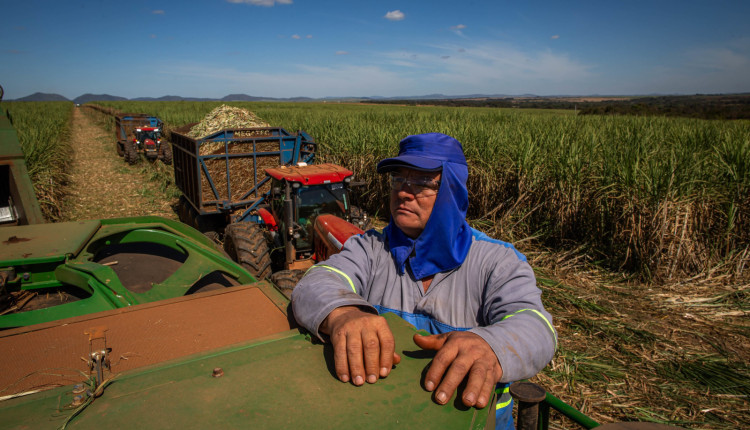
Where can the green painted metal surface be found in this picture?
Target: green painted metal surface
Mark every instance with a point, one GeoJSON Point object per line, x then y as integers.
{"type": "Point", "coordinates": [285, 381]}
{"type": "Point", "coordinates": [44, 242]}
{"type": "Point", "coordinates": [46, 257]}
{"type": "Point", "coordinates": [15, 175]}
{"type": "Point", "coordinates": [10, 147]}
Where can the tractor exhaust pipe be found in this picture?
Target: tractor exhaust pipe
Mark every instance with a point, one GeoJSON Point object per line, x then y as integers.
{"type": "Point", "coordinates": [289, 223]}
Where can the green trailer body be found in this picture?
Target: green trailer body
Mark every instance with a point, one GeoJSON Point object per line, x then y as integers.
{"type": "Point", "coordinates": [61, 270]}
{"type": "Point", "coordinates": [255, 370]}
{"type": "Point", "coordinates": [18, 203]}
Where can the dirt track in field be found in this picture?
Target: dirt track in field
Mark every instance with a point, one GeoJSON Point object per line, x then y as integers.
{"type": "Point", "coordinates": [102, 184]}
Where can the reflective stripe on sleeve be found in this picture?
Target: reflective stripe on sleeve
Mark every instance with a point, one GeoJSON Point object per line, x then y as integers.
{"type": "Point", "coordinates": [503, 397]}
{"type": "Point", "coordinates": [335, 270]}
{"type": "Point", "coordinates": [539, 314]}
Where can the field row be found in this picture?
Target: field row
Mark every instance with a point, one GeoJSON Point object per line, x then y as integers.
{"type": "Point", "coordinates": [663, 198]}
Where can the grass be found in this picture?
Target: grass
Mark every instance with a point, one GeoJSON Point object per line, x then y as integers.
{"type": "Point", "coordinates": [44, 133]}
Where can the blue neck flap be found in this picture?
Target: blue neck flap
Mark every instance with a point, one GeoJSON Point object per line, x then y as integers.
{"type": "Point", "coordinates": [445, 241]}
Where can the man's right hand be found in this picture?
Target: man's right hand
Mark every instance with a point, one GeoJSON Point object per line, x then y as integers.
{"type": "Point", "coordinates": [363, 345]}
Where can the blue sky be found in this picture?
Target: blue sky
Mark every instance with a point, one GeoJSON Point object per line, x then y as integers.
{"type": "Point", "coordinates": [332, 48]}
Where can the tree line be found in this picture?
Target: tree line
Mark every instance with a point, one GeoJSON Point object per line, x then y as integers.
{"type": "Point", "coordinates": [731, 106]}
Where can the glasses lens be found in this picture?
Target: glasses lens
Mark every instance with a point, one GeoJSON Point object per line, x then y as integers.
{"type": "Point", "coordinates": [417, 186]}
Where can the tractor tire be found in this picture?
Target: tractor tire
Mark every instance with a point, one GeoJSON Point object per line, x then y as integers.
{"type": "Point", "coordinates": [120, 149]}
{"type": "Point", "coordinates": [185, 212]}
{"type": "Point", "coordinates": [213, 235]}
{"type": "Point", "coordinates": [165, 153]}
{"type": "Point", "coordinates": [131, 152]}
{"type": "Point", "coordinates": [246, 244]}
{"type": "Point", "coordinates": [286, 280]}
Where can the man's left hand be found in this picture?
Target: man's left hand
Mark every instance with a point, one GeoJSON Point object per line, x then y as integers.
{"type": "Point", "coordinates": [460, 354]}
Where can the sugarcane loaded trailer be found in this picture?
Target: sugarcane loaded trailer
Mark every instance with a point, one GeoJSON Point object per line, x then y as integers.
{"type": "Point", "coordinates": [141, 134]}
{"type": "Point", "coordinates": [258, 191]}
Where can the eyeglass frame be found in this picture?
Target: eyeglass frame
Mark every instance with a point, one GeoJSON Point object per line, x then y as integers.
{"type": "Point", "coordinates": [420, 182]}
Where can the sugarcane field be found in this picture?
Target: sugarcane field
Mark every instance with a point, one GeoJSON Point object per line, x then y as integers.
{"type": "Point", "coordinates": [637, 226]}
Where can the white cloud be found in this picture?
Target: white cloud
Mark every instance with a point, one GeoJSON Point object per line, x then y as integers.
{"type": "Point", "coordinates": [709, 70]}
{"type": "Point", "coordinates": [309, 36]}
{"type": "Point", "coordinates": [557, 36]}
{"type": "Point", "coordinates": [395, 15]}
{"type": "Point", "coordinates": [296, 36]}
{"type": "Point", "coordinates": [457, 29]}
{"type": "Point", "coordinates": [717, 59]}
{"type": "Point", "coordinates": [308, 81]}
{"type": "Point", "coordinates": [342, 53]}
{"type": "Point", "coordinates": [158, 12]}
{"type": "Point", "coordinates": [267, 3]}
{"type": "Point", "coordinates": [491, 68]}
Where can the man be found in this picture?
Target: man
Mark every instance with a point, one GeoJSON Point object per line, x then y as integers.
{"type": "Point", "coordinates": [476, 295]}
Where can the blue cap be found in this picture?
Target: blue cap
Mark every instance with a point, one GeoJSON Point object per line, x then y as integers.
{"type": "Point", "coordinates": [425, 152]}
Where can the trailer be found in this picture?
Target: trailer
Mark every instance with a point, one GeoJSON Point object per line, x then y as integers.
{"type": "Point", "coordinates": [258, 191]}
{"type": "Point", "coordinates": [222, 175]}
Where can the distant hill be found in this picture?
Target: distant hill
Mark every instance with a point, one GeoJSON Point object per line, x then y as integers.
{"type": "Point", "coordinates": [43, 97]}
{"type": "Point", "coordinates": [247, 98]}
{"type": "Point", "coordinates": [86, 98]}
{"type": "Point", "coordinates": [172, 99]}
{"type": "Point", "coordinates": [97, 98]}
{"type": "Point", "coordinates": [244, 98]}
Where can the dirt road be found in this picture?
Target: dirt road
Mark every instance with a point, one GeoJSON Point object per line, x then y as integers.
{"type": "Point", "coordinates": [102, 184]}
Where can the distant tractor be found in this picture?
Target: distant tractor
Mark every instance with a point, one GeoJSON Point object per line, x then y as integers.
{"type": "Point", "coordinates": [255, 189]}
{"type": "Point", "coordinates": [141, 134]}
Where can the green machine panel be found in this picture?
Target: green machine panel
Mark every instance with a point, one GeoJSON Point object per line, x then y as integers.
{"type": "Point", "coordinates": [285, 380]}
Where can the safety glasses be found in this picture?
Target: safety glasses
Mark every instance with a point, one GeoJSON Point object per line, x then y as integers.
{"type": "Point", "coordinates": [419, 186]}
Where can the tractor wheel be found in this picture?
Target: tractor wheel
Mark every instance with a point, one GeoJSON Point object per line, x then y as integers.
{"type": "Point", "coordinates": [131, 152]}
{"type": "Point", "coordinates": [246, 244]}
{"type": "Point", "coordinates": [286, 280]}
{"type": "Point", "coordinates": [120, 149]}
{"type": "Point", "coordinates": [165, 153]}
{"type": "Point", "coordinates": [183, 211]}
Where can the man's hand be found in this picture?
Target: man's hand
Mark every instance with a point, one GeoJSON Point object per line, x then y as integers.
{"type": "Point", "coordinates": [461, 354]}
{"type": "Point", "coordinates": [363, 345]}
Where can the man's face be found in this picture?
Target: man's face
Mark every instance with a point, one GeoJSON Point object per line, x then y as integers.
{"type": "Point", "coordinates": [412, 199]}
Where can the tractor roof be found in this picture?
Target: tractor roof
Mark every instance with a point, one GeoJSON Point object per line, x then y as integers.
{"type": "Point", "coordinates": [315, 174]}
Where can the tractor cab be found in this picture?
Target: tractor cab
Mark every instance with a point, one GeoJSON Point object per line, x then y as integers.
{"type": "Point", "coordinates": [299, 195]}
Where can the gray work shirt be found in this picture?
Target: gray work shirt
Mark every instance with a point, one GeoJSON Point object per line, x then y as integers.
{"type": "Point", "coordinates": [493, 294]}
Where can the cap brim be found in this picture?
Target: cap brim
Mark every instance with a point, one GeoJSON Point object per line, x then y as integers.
{"type": "Point", "coordinates": [410, 162]}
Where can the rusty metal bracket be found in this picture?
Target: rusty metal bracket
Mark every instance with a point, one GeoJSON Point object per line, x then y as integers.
{"type": "Point", "coordinates": [98, 355]}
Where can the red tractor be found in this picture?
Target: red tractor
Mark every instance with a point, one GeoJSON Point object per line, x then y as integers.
{"type": "Point", "coordinates": [147, 140]}
{"type": "Point", "coordinates": [254, 189]}
{"type": "Point", "coordinates": [308, 217]}
{"type": "Point", "coordinates": [141, 134]}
